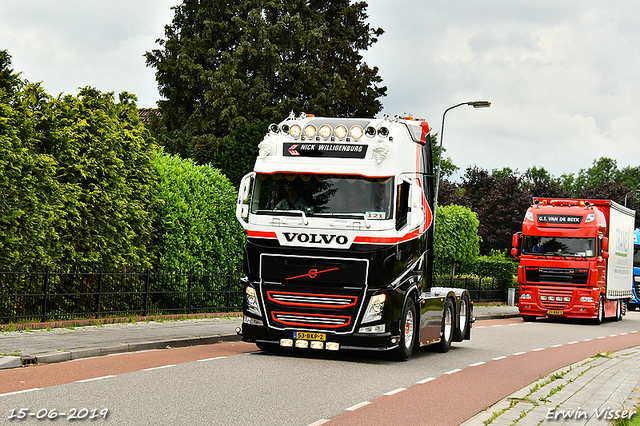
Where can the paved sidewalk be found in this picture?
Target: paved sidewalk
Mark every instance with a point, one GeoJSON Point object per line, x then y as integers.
{"type": "Point", "coordinates": [590, 392]}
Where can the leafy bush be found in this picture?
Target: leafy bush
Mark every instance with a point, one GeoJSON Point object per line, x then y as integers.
{"type": "Point", "coordinates": [197, 227]}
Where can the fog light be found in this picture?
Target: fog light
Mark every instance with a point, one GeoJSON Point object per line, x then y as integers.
{"type": "Point", "coordinates": [373, 329]}
{"type": "Point", "coordinates": [251, 321]}
{"type": "Point", "coordinates": [302, 344]}
{"type": "Point", "coordinates": [332, 346]}
{"type": "Point", "coordinates": [287, 343]}
{"type": "Point", "coordinates": [567, 299]}
{"type": "Point", "coordinates": [317, 345]}
{"type": "Point", "coordinates": [543, 297]}
{"type": "Point", "coordinates": [525, 296]}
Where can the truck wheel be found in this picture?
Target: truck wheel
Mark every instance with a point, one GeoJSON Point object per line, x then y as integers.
{"type": "Point", "coordinates": [619, 310]}
{"type": "Point", "coordinates": [464, 317]}
{"type": "Point", "coordinates": [447, 327]}
{"type": "Point", "coordinates": [407, 332]}
{"type": "Point", "coordinates": [600, 319]}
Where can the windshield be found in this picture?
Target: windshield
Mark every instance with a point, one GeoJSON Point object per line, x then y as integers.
{"type": "Point", "coordinates": [323, 195]}
{"type": "Point", "coordinates": [558, 246]}
{"type": "Point", "coordinates": [636, 255]}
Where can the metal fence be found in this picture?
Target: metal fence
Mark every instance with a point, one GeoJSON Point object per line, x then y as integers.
{"type": "Point", "coordinates": [51, 294]}
{"type": "Point", "coordinates": [55, 294]}
{"type": "Point", "coordinates": [480, 289]}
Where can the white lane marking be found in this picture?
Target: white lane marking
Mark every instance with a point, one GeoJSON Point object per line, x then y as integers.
{"type": "Point", "coordinates": [393, 392]}
{"type": "Point", "coordinates": [556, 346]}
{"type": "Point", "coordinates": [499, 358]}
{"type": "Point", "coordinates": [537, 349]}
{"type": "Point", "coordinates": [22, 391]}
{"type": "Point", "coordinates": [421, 382]}
{"type": "Point", "coordinates": [453, 371]}
{"type": "Point", "coordinates": [572, 343]}
{"type": "Point", "coordinates": [587, 340]}
{"type": "Point", "coordinates": [211, 359]}
{"type": "Point", "coordinates": [355, 407]}
{"type": "Point", "coordinates": [158, 368]}
{"type": "Point", "coordinates": [519, 353]}
{"type": "Point", "coordinates": [477, 364]}
{"type": "Point", "coordinates": [95, 378]}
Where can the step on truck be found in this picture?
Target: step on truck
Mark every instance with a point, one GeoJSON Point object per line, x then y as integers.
{"type": "Point", "coordinates": [339, 254]}
{"type": "Point", "coordinates": [634, 302]}
{"type": "Point", "coordinates": [576, 259]}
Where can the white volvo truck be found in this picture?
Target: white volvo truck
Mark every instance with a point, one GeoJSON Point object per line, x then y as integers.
{"type": "Point", "coordinates": [339, 221]}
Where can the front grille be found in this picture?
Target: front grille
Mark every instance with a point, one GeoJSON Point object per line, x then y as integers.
{"type": "Point", "coordinates": [309, 320]}
{"type": "Point", "coordinates": [311, 300]}
{"type": "Point", "coordinates": [537, 274]}
{"type": "Point", "coordinates": [313, 293]}
{"type": "Point", "coordinates": [556, 294]}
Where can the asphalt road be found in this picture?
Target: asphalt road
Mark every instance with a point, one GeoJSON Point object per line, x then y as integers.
{"type": "Point", "coordinates": [234, 384]}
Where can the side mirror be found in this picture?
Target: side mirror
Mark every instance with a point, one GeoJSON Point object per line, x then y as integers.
{"type": "Point", "coordinates": [605, 244]}
{"type": "Point", "coordinates": [515, 243]}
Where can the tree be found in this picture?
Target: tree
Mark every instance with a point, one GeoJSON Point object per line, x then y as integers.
{"type": "Point", "coordinates": [225, 63]}
{"type": "Point", "coordinates": [456, 237]}
{"type": "Point", "coordinates": [447, 168]}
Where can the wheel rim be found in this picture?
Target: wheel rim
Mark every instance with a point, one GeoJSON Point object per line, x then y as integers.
{"type": "Point", "coordinates": [448, 326]}
{"type": "Point", "coordinates": [408, 329]}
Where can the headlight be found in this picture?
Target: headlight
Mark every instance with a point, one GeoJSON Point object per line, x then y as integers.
{"type": "Point", "coordinates": [543, 297]}
{"type": "Point", "coordinates": [325, 131]}
{"type": "Point", "coordinates": [586, 299]}
{"type": "Point", "coordinates": [567, 299]}
{"type": "Point", "coordinates": [252, 301]}
{"type": "Point", "coordinates": [356, 132]}
{"type": "Point", "coordinates": [525, 296]}
{"type": "Point", "coordinates": [590, 218]}
{"type": "Point", "coordinates": [310, 130]}
{"type": "Point", "coordinates": [375, 308]}
{"type": "Point", "coordinates": [529, 216]}
{"type": "Point", "coordinates": [637, 278]}
{"type": "Point", "coordinates": [295, 131]}
{"type": "Point", "coordinates": [340, 131]}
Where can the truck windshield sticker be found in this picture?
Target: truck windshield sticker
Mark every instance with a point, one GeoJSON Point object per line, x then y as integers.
{"type": "Point", "coordinates": [337, 150]}
{"type": "Point", "coordinates": [559, 218]}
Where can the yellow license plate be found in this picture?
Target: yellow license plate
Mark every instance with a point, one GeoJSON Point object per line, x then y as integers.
{"type": "Point", "coordinates": [309, 336]}
{"type": "Point", "coordinates": [554, 312]}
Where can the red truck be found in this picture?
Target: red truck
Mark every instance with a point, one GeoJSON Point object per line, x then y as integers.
{"type": "Point", "coordinates": [576, 259]}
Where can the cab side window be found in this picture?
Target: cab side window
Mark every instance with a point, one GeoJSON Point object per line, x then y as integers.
{"type": "Point", "coordinates": [402, 204]}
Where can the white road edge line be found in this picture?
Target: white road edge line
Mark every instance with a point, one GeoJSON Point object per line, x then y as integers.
{"type": "Point", "coordinates": [453, 371]}
{"type": "Point", "coordinates": [22, 391]}
{"type": "Point", "coordinates": [158, 368]}
{"type": "Point", "coordinates": [477, 364]}
{"type": "Point", "coordinates": [393, 392]}
{"type": "Point", "coordinates": [355, 407]}
{"type": "Point", "coordinates": [499, 358]}
{"type": "Point", "coordinates": [519, 353]}
{"type": "Point", "coordinates": [556, 346]}
{"type": "Point", "coordinates": [422, 382]}
{"type": "Point", "coordinates": [95, 378]}
{"type": "Point", "coordinates": [537, 349]}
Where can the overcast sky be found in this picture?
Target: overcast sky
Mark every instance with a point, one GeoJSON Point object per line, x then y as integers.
{"type": "Point", "coordinates": [562, 76]}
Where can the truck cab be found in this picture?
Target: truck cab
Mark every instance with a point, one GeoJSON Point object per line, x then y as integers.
{"type": "Point", "coordinates": [339, 222]}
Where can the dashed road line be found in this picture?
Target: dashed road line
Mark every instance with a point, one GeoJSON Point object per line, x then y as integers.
{"type": "Point", "coordinates": [211, 359]}
{"type": "Point", "coordinates": [355, 407]}
{"type": "Point", "coordinates": [95, 378]}
{"type": "Point", "coordinates": [393, 392]}
{"type": "Point", "coordinates": [21, 391]}
{"type": "Point", "coordinates": [158, 368]}
{"type": "Point", "coordinates": [422, 382]}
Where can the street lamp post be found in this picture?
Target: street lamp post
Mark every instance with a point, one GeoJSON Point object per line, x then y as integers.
{"type": "Point", "coordinates": [475, 104]}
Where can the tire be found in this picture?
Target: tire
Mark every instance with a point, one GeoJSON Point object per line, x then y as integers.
{"type": "Point", "coordinates": [448, 323]}
{"type": "Point", "coordinates": [600, 319]}
{"type": "Point", "coordinates": [619, 305]}
{"type": "Point", "coordinates": [464, 318]}
{"type": "Point", "coordinates": [528, 318]}
{"type": "Point", "coordinates": [407, 332]}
